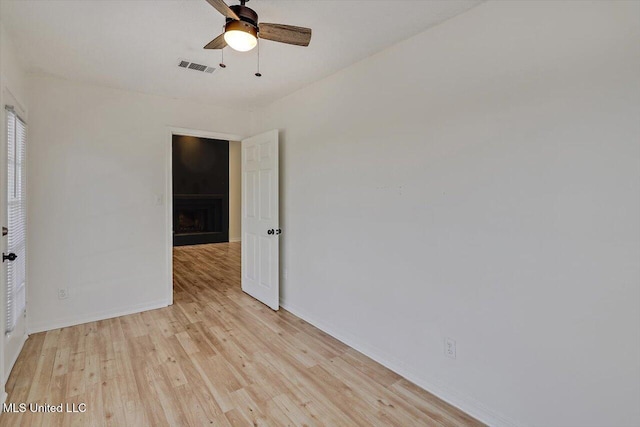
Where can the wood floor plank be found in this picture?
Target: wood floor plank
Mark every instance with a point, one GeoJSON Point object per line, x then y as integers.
{"type": "Point", "coordinates": [217, 357]}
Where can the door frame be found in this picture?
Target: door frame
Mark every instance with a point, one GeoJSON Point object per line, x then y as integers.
{"type": "Point", "coordinates": [168, 226]}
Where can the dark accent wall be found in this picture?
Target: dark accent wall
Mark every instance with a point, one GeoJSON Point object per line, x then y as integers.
{"type": "Point", "coordinates": [200, 190]}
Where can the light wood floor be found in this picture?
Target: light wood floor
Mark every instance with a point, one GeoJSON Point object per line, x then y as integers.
{"type": "Point", "coordinates": [216, 357]}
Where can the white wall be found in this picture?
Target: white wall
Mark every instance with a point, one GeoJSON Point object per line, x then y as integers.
{"type": "Point", "coordinates": [13, 88]}
{"type": "Point", "coordinates": [235, 191]}
{"type": "Point", "coordinates": [479, 181]}
{"type": "Point", "coordinates": [98, 159]}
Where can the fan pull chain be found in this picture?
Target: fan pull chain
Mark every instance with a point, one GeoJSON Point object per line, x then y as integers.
{"type": "Point", "coordinates": [258, 74]}
{"type": "Point", "coordinates": [222, 64]}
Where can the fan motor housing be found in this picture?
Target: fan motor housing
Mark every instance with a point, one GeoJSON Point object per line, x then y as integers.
{"type": "Point", "coordinates": [246, 14]}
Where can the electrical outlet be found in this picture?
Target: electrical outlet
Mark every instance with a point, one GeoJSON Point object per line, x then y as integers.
{"type": "Point", "coordinates": [450, 348]}
{"type": "Point", "coordinates": [63, 293]}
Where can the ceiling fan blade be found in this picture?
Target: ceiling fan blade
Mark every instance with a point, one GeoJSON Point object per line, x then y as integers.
{"type": "Point", "coordinates": [289, 34]}
{"type": "Point", "coordinates": [222, 7]}
{"type": "Point", "coordinates": [217, 43]}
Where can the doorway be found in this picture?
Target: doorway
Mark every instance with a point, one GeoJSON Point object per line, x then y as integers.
{"type": "Point", "coordinates": [208, 214]}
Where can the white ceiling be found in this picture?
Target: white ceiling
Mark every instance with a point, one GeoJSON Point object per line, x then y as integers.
{"type": "Point", "coordinates": [135, 44]}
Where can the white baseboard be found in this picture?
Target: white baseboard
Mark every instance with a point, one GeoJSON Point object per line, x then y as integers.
{"type": "Point", "coordinates": [463, 402]}
{"type": "Point", "coordinates": [234, 239]}
{"type": "Point", "coordinates": [94, 317]}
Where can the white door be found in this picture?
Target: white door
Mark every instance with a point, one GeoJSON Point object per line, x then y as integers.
{"type": "Point", "coordinates": [14, 253]}
{"type": "Point", "coordinates": [260, 233]}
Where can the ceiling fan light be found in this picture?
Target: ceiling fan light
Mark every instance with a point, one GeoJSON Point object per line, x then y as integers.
{"type": "Point", "coordinates": [240, 36]}
{"type": "Point", "coordinates": [240, 41]}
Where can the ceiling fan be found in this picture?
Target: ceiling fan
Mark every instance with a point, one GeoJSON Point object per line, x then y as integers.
{"type": "Point", "coordinates": [242, 30]}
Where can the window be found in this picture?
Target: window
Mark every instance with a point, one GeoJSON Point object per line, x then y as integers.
{"type": "Point", "coordinates": [16, 218]}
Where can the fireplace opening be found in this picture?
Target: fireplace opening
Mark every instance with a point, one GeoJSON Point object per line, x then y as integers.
{"type": "Point", "coordinates": [191, 220]}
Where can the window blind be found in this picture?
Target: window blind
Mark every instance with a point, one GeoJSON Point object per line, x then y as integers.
{"type": "Point", "coordinates": [16, 218]}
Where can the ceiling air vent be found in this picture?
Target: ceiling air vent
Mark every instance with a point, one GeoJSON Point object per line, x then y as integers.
{"type": "Point", "coordinates": [194, 66]}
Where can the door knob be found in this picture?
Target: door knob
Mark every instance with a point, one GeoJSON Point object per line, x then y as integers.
{"type": "Point", "coordinates": [5, 231]}
{"type": "Point", "coordinates": [10, 257]}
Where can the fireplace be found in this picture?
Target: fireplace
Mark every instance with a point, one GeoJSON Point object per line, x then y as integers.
{"type": "Point", "coordinates": [198, 219]}
{"type": "Point", "coordinates": [200, 169]}
{"type": "Point", "coordinates": [192, 220]}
